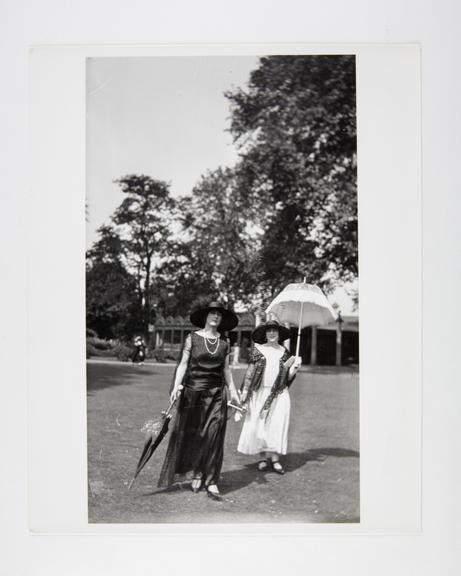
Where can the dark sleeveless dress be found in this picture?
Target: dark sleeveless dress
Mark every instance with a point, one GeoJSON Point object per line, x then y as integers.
{"type": "Point", "coordinates": [196, 443]}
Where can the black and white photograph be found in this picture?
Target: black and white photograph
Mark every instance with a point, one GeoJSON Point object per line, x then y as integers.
{"type": "Point", "coordinates": [230, 272]}
{"type": "Point", "coordinates": [222, 289]}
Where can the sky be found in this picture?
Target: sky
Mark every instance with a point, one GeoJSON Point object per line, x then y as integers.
{"type": "Point", "coordinates": [165, 117]}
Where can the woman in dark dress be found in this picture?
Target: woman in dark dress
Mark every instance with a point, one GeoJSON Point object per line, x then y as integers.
{"type": "Point", "coordinates": [139, 351]}
{"type": "Point", "coordinates": [203, 385]}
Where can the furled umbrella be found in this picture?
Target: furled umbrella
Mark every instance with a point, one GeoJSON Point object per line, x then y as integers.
{"type": "Point", "coordinates": [156, 432]}
{"type": "Point", "coordinates": [301, 304]}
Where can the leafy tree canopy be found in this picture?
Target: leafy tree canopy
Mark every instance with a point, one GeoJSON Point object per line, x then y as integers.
{"type": "Point", "coordinates": [296, 129]}
{"type": "Point", "coordinates": [217, 250]}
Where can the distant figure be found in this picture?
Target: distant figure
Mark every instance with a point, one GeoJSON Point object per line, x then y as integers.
{"type": "Point", "coordinates": [271, 370]}
{"type": "Point", "coordinates": [139, 351]}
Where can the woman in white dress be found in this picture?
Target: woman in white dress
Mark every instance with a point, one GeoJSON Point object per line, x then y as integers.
{"type": "Point", "coordinates": [264, 392]}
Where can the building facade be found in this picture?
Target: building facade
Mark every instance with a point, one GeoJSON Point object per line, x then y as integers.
{"type": "Point", "coordinates": [333, 344]}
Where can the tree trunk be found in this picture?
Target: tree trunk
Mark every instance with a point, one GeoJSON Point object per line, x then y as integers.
{"type": "Point", "coordinates": [146, 311]}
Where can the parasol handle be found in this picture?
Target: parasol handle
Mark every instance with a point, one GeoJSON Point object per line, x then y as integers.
{"type": "Point", "coordinates": [299, 328]}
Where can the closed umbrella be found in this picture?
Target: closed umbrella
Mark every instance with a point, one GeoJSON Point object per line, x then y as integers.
{"type": "Point", "coordinates": [301, 304]}
{"type": "Point", "coordinates": [157, 431]}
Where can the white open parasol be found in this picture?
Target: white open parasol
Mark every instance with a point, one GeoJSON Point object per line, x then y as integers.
{"type": "Point", "coordinates": [301, 305]}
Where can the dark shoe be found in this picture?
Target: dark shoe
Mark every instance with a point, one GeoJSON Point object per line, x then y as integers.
{"type": "Point", "coordinates": [263, 465]}
{"type": "Point", "coordinates": [214, 494]}
{"type": "Point", "coordinates": [278, 468]}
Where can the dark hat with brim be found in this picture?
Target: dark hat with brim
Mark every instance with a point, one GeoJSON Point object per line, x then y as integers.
{"type": "Point", "coordinates": [228, 322]}
{"type": "Point", "coordinates": [259, 333]}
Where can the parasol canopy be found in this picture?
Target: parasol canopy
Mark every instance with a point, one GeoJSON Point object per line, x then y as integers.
{"type": "Point", "coordinates": [301, 304]}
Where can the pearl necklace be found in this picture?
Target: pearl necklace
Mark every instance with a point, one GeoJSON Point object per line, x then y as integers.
{"type": "Point", "coordinates": [212, 343]}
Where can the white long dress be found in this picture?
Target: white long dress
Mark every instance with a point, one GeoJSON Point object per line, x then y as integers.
{"type": "Point", "coordinates": [267, 434]}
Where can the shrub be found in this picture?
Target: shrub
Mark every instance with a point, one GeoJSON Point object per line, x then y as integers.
{"type": "Point", "coordinates": [91, 350]}
{"type": "Point", "coordinates": [172, 355]}
{"type": "Point", "coordinates": [157, 355]}
{"type": "Point", "coordinates": [123, 352]}
{"type": "Point", "coordinates": [161, 355]}
{"type": "Point", "coordinates": [99, 344]}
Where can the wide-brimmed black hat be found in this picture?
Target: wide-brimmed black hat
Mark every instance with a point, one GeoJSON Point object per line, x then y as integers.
{"type": "Point", "coordinates": [259, 333]}
{"type": "Point", "coordinates": [228, 322]}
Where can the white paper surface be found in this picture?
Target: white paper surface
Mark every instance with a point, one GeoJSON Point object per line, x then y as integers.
{"type": "Point", "coordinates": [435, 550]}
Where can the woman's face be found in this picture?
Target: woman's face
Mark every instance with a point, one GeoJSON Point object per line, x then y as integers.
{"type": "Point", "coordinates": [272, 335]}
{"type": "Point", "coordinates": [214, 318]}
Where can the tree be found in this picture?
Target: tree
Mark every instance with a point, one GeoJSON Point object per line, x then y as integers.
{"type": "Point", "coordinates": [180, 280]}
{"type": "Point", "coordinates": [295, 127]}
{"type": "Point", "coordinates": [111, 309]}
{"type": "Point", "coordinates": [110, 290]}
{"type": "Point", "coordinates": [108, 248]}
{"type": "Point", "coordinates": [143, 222]}
{"type": "Point", "coordinates": [217, 249]}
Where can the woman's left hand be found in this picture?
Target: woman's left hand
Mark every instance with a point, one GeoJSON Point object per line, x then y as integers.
{"type": "Point", "coordinates": [234, 398]}
{"type": "Point", "coordinates": [297, 363]}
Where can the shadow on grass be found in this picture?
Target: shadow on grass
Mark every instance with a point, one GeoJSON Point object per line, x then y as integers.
{"type": "Point", "coordinates": [236, 479]}
{"type": "Point", "coordinates": [100, 376]}
{"type": "Point", "coordinates": [295, 460]}
{"type": "Point", "coordinates": [233, 480]}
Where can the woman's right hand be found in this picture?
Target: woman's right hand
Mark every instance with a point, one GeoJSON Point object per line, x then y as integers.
{"type": "Point", "coordinates": [237, 416]}
{"type": "Point", "coordinates": [176, 393]}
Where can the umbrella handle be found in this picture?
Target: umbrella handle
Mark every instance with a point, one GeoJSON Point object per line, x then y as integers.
{"type": "Point", "coordinates": [170, 408]}
{"type": "Point", "coordinates": [239, 408]}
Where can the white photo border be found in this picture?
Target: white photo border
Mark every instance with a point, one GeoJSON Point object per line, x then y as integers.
{"type": "Point", "coordinates": [389, 192]}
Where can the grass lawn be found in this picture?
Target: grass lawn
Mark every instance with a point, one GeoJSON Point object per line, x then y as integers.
{"type": "Point", "coordinates": [321, 483]}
